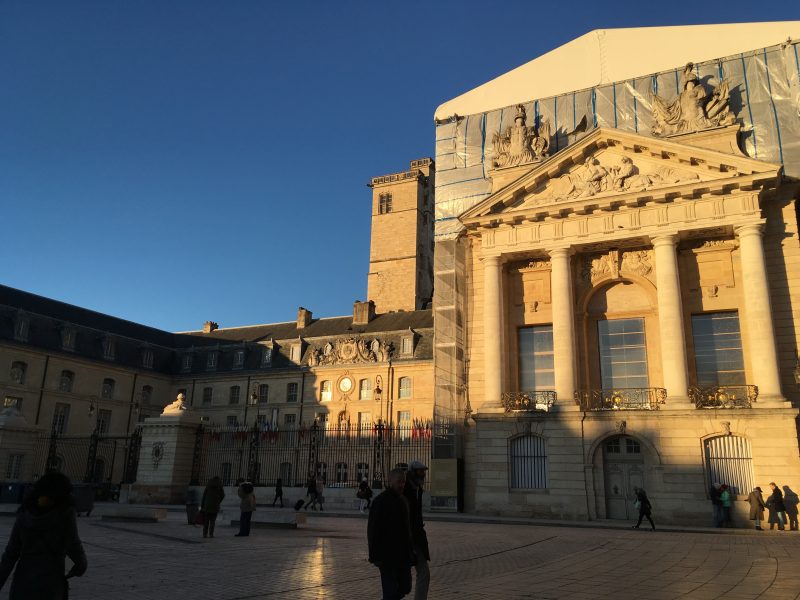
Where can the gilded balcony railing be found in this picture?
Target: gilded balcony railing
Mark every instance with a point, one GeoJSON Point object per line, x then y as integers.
{"type": "Point", "coordinates": [537, 400]}
{"type": "Point", "coordinates": [724, 396]}
{"type": "Point", "coordinates": [621, 398]}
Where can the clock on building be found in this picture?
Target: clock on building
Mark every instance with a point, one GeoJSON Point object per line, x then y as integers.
{"type": "Point", "coordinates": [345, 385]}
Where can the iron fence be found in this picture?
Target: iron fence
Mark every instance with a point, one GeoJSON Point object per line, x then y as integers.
{"type": "Point", "coordinates": [724, 396]}
{"type": "Point", "coordinates": [534, 400]}
{"type": "Point", "coordinates": [621, 399]}
{"type": "Point", "coordinates": [341, 456]}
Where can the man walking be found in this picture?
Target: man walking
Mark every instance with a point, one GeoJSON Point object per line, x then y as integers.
{"type": "Point", "coordinates": [389, 538]}
{"type": "Point", "coordinates": [415, 480]}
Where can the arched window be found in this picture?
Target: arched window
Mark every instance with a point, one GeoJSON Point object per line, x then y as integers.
{"type": "Point", "coordinates": [729, 461]}
{"type": "Point", "coordinates": [528, 462]}
{"type": "Point", "coordinates": [405, 387]}
{"type": "Point", "coordinates": [66, 381]}
{"type": "Point", "coordinates": [325, 391]}
{"type": "Point", "coordinates": [18, 370]}
{"type": "Point", "coordinates": [107, 393]}
{"type": "Point", "coordinates": [364, 389]}
{"type": "Point", "coordinates": [291, 392]}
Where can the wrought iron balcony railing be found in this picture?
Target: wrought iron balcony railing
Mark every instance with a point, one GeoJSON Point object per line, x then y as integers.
{"type": "Point", "coordinates": [621, 399]}
{"type": "Point", "coordinates": [537, 400]}
{"type": "Point", "coordinates": [724, 396]}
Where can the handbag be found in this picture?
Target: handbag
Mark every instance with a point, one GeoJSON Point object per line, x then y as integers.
{"type": "Point", "coordinates": [637, 505]}
{"type": "Point", "coordinates": [200, 518]}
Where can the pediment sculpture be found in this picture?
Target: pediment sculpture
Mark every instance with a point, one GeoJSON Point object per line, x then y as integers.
{"type": "Point", "coordinates": [521, 144]}
{"type": "Point", "coordinates": [616, 262]}
{"type": "Point", "coordinates": [594, 177]}
{"type": "Point", "coordinates": [350, 350]}
{"type": "Point", "coordinates": [695, 109]}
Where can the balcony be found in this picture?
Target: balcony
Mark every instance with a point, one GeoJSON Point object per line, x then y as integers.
{"type": "Point", "coordinates": [724, 396]}
{"type": "Point", "coordinates": [621, 399]}
{"type": "Point", "coordinates": [532, 401]}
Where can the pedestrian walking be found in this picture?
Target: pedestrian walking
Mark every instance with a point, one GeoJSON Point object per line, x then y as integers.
{"type": "Point", "coordinates": [278, 492]}
{"type": "Point", "coordinates": [210, 503]}
{"type": "Point", "coordinates": [716, 503]}
{"type": "Point", "coordinates": [413, 491]}
{"type": "Point", "coordinates": [389, 538]}
{"type": "Point", "coordinates": [790, 501]}
{"type": "Point", "coordinates": [247, 505]}
{"type": "Point", "coordinates": [727, 502]}
{"type": "Point", "coordinates": [777, 506]}
{"type": "Point", "coordinates": [44, 532]}
{"type": "Point", "coordinates": [364, 495]}
{"type": "Point", "coordinates": [311, 493]}
{"type": "Point", "coordinates": [320, 488]}
{"type": "Point", "coordinates": [642, 503]}
{"type": "Point", "coordinates": [757, 506]}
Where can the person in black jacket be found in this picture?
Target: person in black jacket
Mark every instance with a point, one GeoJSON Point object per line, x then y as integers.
{"type": "Point", "coordinates": [415, 482]}
{"type": "Point", "coordinates": [389, 538]}
{"type": "Point", "coordinates": [645, 508]}
{"type": "Point", "coordinates": [776, 505]}
{"type": "Point", "coordinates": [44, 533]}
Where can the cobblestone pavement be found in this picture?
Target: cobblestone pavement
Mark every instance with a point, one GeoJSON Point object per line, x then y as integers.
{"type": "Point", "coordinates": [326, 558]}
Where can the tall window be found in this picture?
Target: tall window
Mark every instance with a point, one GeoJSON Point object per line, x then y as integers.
{"type": "Point", "coordinates": [208, 395]}
{"type": "Point", "coordinates": [68, 336]}
{"type": "Point", "coordinates": [294, 353]}
{"type": "Point", "coordinates": [404, 424]}
{"type": "Point", "coordinates": [718, 349]}
{"type": "Point", "coordinates": [186, 362]}
{"type": "Point", "coordinates": [325, 391]}
{"type": "Point", "coordinates": [103, 421]}
{"type": "Point", "coordinates": [65, 381]}
{"type": "Point", "coordinates": [290, 420]}
{"type": "Point", "coordinates": [528, 462]}
{"type": "Point", "coordinates": [623, 354]}
{"type": "Point", "coordinates": [364, 389]}
{"type": "Point", "coordinates": [405, 387]}
{"type": "Point", "coordinates": [362, 471]}
{"type": "Point", "coordinates": [729, 460]}
{"type": "Point", "coordinates": [341, 472]}
{"type": "Point", "coordinates": [147, 358]}
{"type": "Point", "coordinates": [536, 358]}
{"type": "Point", "coordinates": [407, 345]}
{"type": "Point", "coordinates": [365, 421]}
{"type": "Point", "coordinates": [385, 204]}
{"type": "Point", "coordinates": [291, 392]}
{"type": "Point", "coordinates": [266, 357]}
{"type": "Point", "coordinates": [147, 394]}
{"type": "Point", "coordinates": [109, 348]}
{"type": "Point", "coordinates": [107, 391]}
{"type": "Point", "coordinates": [233, 395]}
{"type": "Point", "coordinates": [238, 359]}
{"type": "Point", "coordinates": [263, 393]}
{"type": "Point", "coordinates": [60, 418]}
{"type": "Point", "coordinates": [18, 370]}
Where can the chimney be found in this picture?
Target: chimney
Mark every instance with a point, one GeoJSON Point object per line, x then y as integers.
{"type": "Point", "coordinates": [210, 326]}
{"type": "Point", "coordinates": [303, 317]}
{"type": "Point", "coordinates": [363, 312]}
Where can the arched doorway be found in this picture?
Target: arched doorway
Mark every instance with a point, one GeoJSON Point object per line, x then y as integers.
{"type": "Point", "coordinates": [623, 469]}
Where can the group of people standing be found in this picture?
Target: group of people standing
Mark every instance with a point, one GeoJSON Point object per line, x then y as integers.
{"type": "Point", "coordinates": [212, 499]}
{"type": "Point", "coordinates": [782, 510]}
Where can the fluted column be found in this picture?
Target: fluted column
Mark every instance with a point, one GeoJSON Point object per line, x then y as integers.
{"type": "Point", "coordinates": [670, 320]}
{"type": "Point", "coordinates": [760, 329]}
{"type": "Point", "coordinates": [492, 331]}
{"type": "Point", "coordinates": [563, 326]}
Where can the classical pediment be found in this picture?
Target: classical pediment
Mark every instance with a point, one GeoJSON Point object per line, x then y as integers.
{"type": "Point", "coordinates": [611, 167]}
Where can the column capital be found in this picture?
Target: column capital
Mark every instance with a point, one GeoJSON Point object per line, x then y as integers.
{"type": "Point", "coordinates": [664, 239]}
{"type": "Point", "coordinates": [490, 260]}
{"type": "Point", "coordinates": [561, 251]}
{"type": "Point", "coordinates": [749, 229]}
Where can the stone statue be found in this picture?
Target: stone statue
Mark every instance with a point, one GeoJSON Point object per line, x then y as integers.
{"type": "Point", "coordinates": [520, 144]}
{"type": "Point", "coordinates": [176, 407]}
{"type": "Point", "coordinates": [694, 109]}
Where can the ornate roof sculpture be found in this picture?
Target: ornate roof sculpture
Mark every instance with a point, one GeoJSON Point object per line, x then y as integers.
{"type": "Point", "coordinates": [694, 109]}
{"type": "Point", "coordinates": [520, 144]}
{"type": "Point", "coordinates": [349, 351]}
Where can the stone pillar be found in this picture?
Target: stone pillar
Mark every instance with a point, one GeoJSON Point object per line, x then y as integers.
{"type": "Point", "coordinates": [492, 331]}
{"type": "Point", "coordinates": [563, 326]}
{"type": "Point", "coordinates": [760, 328]}
{"type": "Point", "coordinates": [670, 321]}
{"type": "Point", "coordinates": [165, 459]}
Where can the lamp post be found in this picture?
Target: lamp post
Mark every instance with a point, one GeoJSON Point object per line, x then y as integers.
{"type": "Point", "coordinates": [379, 394]}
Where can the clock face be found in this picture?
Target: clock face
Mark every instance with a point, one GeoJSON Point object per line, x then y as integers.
{"type": "Point", "coordinates": [346, 384]}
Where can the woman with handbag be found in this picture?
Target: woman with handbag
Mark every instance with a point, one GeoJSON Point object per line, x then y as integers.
{"type": "Point", "coordinates": [212, 498]}
{"type": "Point", "coordinates": [644, 506]}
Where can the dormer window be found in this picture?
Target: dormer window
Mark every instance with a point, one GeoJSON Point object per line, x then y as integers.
{"type": "Point", "coordinates": [238, 359]}
{"type": "Point", "coordinates": [68, 336]}
{"type": "Point", "coordinates": [109, 348]}
{"type": "Point", "coordinates": [211, 361]}
{"type": "Point", "coordinates": [266, 357]}
{"type": "Point", "coordinates": [21, 328]}
{"type": "Point", "coordinates": [186, 362]}
{"type": "Point", "coordinates": [147, 358]}
{"type": "Point", "coordinates": [295, 353]}
{"type": "Point", "coordinates": [407, 346]}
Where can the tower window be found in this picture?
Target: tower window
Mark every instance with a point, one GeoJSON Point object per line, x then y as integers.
{"type": "Point", "coordinates": [385, 204]}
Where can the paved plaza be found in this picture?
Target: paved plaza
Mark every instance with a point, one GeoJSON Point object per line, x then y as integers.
{"type": "Point", "coordinates": [327, 558]}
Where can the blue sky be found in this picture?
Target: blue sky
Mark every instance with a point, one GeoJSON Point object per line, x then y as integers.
{"type": "Point", "coordinates": [170, 162]}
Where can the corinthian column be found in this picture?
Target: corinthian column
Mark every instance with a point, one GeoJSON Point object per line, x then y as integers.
{"type": "Point", "coordinates": [492, 331]}
{"type": "Point", "coordinates": [760, 329]}
{"type": "Point", "coordinates": [563, 326]}
{"type": "Point", "coordinates": [670, 321]}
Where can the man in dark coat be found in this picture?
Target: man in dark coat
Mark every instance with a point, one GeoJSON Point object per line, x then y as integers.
{"type": "Point", "coordinates": [389, 538]}
{"type": "Point", "coordinates": [776, 504]}
{"type": "Point", "coordinates": [415, 481]}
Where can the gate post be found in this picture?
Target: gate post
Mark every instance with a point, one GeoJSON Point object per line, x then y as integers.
{"type": "Point", "coordinates": [252, 456]}
{"type": "Point", "coordinates": [313, 451]}
{"type": "Point", "coordinates": [91, 457]}
{"type": "Point", "coordinates": [378, 451]}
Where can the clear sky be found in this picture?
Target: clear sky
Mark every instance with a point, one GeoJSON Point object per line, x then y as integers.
{"type": "Point", "coordinates": [174, 161]}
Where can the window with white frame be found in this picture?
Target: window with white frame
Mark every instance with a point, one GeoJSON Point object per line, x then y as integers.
{"type": "Point", "coordinates": [238, 359]}
{"type": "Point", "coordinates": [404, 386]}
{"type": "Point", "coordinates": [68, 336]}
{"type": "Point", "coordinates": [365, 422]}
{"type": "Point", "coordinates": [528, 458]}
{"type": "Point", "coordinates": [233, 394]}
{"type": "Point", "coordinates": [18, 371]}
{"type": "Point", "coordinates": [211, 360]}
{"type": "Point", "coordinates": [404, 424]}
{"type": "Point", "coordinates": [365, 389]}
{"type": "Point", "coordinates": [186, 362]}
{"type": "Point", "coordinates": [263, 393]}
{"type": "Point", "coordinates": [407, 345]}
{"type": "Point", "coordinates": [109, 348]}
{"type": "Point", "coordinates": [147, 358]}
{"type": "Point", "coordinates": [208, 394]}
{"type": "Point", "coordinates": [103, 421]}
{"type": "Point", "coordinates": [266, 357]}
{"type": "Point", "coordinates": [21, 328]}
{"type": "Point", "coordinates": [14, 467]}
{"type": "Point", "coordinates": [718, 349]}
{"type": "Point", "coordinates": [66, 381]}
{"type": "Point", "coordinates": [107, 391]}
{"type": "Point", "coordinates": [60, 418]}
{"type": "Point", "coordinates": [291, 392]}
{"type": "Point", "coordinates": [536, 358]}
{"type": "Point", "coordinates": [325, 394]}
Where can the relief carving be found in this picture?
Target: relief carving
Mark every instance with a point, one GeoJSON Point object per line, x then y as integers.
{"type": "Point", "coordinates": [535, 265]}
{"type": "Point", "coordinates": [614, 263]}
{"type": "Point", "coordinates": [350, 350]}
{"type": "Point", "coordinates": [638, 262]}
{"type": "Point", "coordinates": [694, 109]}
{"type": "Point", "coordinates": [520, 144]}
